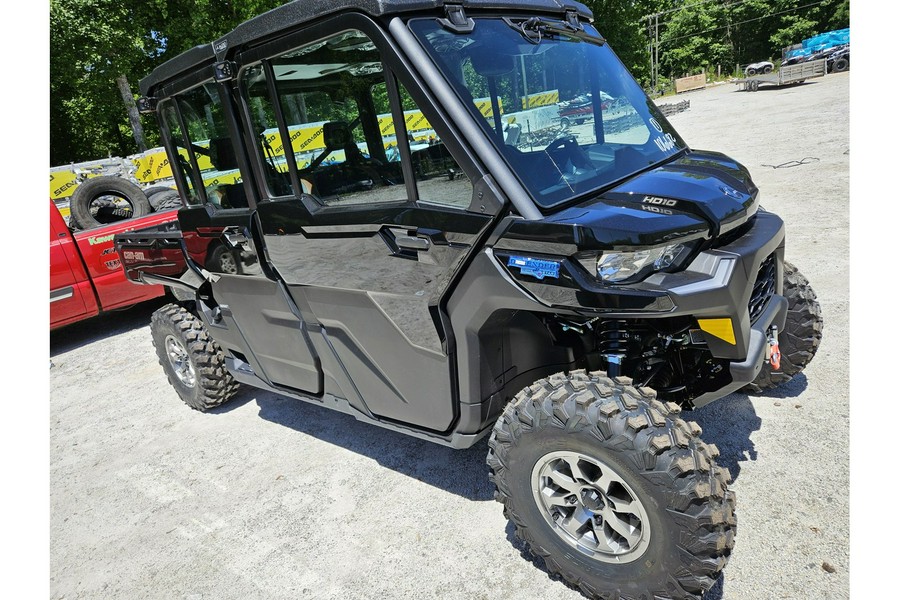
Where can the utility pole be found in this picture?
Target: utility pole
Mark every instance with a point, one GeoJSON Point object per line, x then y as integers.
{"type": "Point", "coordinates": [653, 48]}
{"type": "Point", "coordinates": [656, 52]}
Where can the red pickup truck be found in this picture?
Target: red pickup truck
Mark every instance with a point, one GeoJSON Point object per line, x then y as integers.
{"type": "Point", "coordinates": [86, 276]}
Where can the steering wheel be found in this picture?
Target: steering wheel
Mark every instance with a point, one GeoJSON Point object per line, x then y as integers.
{"type": "Point", "coordinates": [566, 148]}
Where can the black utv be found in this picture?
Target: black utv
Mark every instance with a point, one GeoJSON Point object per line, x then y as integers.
{"type": "Point", "coordinates": [414, 238]}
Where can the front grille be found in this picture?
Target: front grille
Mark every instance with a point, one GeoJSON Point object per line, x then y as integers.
{"type": "Point", "coordinates": [763, 288]}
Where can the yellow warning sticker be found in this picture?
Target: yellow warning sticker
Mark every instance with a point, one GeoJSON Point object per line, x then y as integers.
{"type": "Point", "coordinates": [720, 328]}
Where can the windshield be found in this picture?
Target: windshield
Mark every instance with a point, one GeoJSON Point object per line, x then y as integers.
{"type": "Point", "coordinates": [558, 104]}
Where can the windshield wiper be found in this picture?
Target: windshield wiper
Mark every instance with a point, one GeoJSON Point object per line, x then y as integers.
{"type": "Point", "coordinates": [534, 29]}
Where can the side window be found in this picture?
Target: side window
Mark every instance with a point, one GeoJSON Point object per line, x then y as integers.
{"type": "Point", "coordinates": [439, 179]}
{"type": "Point", "coordinates": [331, 120]}
{"type": "Point", "coordinates": [205, 152]}
{"type": "Point", "coordinates": [331, 94]}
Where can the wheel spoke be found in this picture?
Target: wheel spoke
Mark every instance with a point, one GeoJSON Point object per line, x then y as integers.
{"type": "Point", "coordinates": [622, 506]}
{"type": "Point", "coordinates": [632, 536]}
{"type": "Point", "coordinates": [605, 481]}
{"type": "Point", "coordinates": [564, 481]}
{"type": "Point", "coordinates": [577, 473]}
{"type": "Point", "coordinates": [555, 499]}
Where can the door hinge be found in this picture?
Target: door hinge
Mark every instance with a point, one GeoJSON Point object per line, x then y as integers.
{"type": "Point", "coordinates": [573, 21]}
{"type": "Point", "coordinates": [456, 20]}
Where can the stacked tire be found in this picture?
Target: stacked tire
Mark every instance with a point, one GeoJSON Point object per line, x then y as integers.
{"type": "Point", "coordinates": [108, 199]}
{"type": "Point", "coordinates": [163, 198]}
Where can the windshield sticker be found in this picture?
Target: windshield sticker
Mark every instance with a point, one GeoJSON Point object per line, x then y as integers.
{"type": "Point", "coordinates": [666, 142]}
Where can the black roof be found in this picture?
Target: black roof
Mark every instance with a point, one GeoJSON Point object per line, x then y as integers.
{"type": "Point", "coordinates": [298, 12]}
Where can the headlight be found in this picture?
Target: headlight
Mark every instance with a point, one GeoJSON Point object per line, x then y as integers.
{"type": "Point", "coordinates": [618, 267]}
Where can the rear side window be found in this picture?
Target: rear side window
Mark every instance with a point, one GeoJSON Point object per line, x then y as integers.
{"type": "Point", "coordinates": [206, 156]}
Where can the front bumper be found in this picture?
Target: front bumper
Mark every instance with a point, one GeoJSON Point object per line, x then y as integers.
{"type": "Point", "coordinates": [745, 371]}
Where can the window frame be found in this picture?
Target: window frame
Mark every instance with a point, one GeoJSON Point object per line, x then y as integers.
{"type": "Point", "coordinates": [235, 135]}
{"type": "Point", "coordinates": [396, 71]}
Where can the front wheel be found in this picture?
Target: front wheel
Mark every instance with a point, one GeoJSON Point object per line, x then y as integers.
{"type": "Point", "coordinates": [802, 333]}
{"type": "Point", "coordinates": [192, 360]}
{"type": "Point", "coordinates": [615, 492]}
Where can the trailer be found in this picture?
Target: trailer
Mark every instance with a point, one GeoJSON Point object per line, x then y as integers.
{"type": "Point", "coordinates": [786, 75]}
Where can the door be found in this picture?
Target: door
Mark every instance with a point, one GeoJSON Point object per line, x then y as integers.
{"type": "Point", "coordinates": [378, 223]}
{"type": "Point", "coordinates": [256, 321]}
{"type": "Point", "coordinates": [71, 293]}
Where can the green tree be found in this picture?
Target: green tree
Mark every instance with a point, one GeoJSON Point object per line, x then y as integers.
{"type": "Point", "coordinates": [622, 24]}
{"type": "Point", "coordinates": [99, 50]}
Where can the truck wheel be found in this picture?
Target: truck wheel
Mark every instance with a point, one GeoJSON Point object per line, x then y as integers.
{"type": "Point", "coordinates": [224, 260]}
{"type": "Point", "coordinates": [841, 64]}
{"type": "Point", "coordinates": [107, 199]}
{"type": "Point", "coordinates": [799, 341]}
{"type": "Point", "coordinates": [193, 362]}
{"type": "Point", "coordinates": [615, 492]}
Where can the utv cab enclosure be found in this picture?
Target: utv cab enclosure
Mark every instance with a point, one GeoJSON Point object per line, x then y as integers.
{"type": "Point", "coordinates": [416, 239]}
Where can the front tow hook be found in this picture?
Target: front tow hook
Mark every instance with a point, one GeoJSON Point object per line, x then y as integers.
{"type": "Point", "coordinates": [773, 353]}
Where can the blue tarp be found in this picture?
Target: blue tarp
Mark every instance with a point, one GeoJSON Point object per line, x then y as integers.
{"type": "Point", "coordinates": [823, 41]}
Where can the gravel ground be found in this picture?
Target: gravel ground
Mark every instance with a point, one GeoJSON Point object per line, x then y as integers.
{"type": "Point", "coordinates": [274, 498]}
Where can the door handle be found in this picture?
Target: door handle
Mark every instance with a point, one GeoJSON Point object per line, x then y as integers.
{"type": "Point", "coordinates": [409, 242]}
{"type": "Point", "coordinates": [236, 238]}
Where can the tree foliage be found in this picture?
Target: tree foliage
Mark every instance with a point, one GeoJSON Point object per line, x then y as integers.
{"type": "Point", "coordinates": [707, 34]}
{"type": "Point", "coordinates": [93, 42]}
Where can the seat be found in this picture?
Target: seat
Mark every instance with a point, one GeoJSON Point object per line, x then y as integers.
{"type": "Point", "coordinates": [338, 136]}
{"type": "Point", "coordinates": [223, 158]}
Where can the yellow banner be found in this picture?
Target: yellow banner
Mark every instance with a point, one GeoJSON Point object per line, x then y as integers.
{"type": "Point", "coordinates": [540, 99]}
{"type": "Point", "coordinates": [62, 184]}
{"type": "Point", "coordinates": [486, 108]}
{"type": "Point", "coordinates": [152, 166]}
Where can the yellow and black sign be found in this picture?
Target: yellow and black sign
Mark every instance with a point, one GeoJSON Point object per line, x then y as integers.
{"type": "Point", "coordinates": [540, 99]}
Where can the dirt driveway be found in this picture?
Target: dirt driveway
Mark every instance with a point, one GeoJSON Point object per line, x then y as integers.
{"type": "Point", "coordinates": [274, 498]}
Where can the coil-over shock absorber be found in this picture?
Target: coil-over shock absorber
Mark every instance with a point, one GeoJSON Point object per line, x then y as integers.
{"type": "Point", "coordinates": [619, 342]}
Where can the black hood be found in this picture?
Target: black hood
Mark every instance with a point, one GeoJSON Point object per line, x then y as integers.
{"type": "Point", "coordinates": [699, 195]}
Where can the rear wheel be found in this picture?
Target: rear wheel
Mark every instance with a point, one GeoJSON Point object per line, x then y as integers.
{"type": "Point", "coordinates": [767, 69]}
{"type": "Point", "coordinates": [192, 360]}
{"type": "Point", "coordinates": [615, 492]}
{"type": "Point", "coordinates": [802, 333]}
{"type": "Point", "coordinates": [841, 64]}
